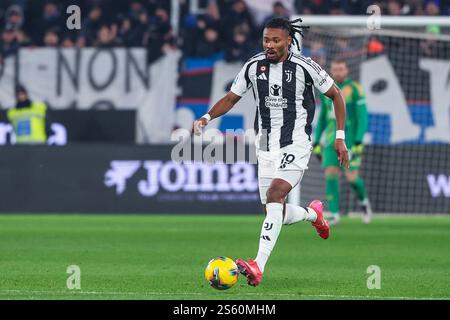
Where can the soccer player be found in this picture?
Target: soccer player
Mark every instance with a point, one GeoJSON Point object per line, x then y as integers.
{"type": "Point", "coordinates": [355, 128]}
{"type": "Point", "coordinates": [282, 84]}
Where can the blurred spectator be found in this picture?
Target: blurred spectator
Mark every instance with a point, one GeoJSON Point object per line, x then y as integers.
{"type": "Point", "coordinates": [92, 24]}
{"type": "Point", "coordinates": [51, 38]}
{"type": "Point", "coordinates": [14, 17]}
{"type": "Point", "coordinates": [239, 15]}
{"type": "Point", "coordinates": [279, 11]}
{"type": "Point", "coordinates": [336, 8]}
{"type": "Point", "coordinates": [68, 42]}
{"type": "Point", "coordinates": [22, 38]}
{"type": "Point", "coordinates": [9, 44]}
{"type": "Point", "coordinates": [134, 26]}
{"type": "Point", "coordinates": [394, 8]}
{"type": "Point", "coordinates": [29, 119]}
{"type": "Point", "coordinates": [195, 26]}
{"type": "Point", "coordinates": [136, 9]}
{"type": "Point", "coordinates": [209, 43]}
{"type": "Point", "coordinates": [432, 8]}
{"type": "Point", "coordinates": [107, 37]}
{"type": "Point", "coordinates": [50, 19]}
{"type": "Point", "coordinates": [188, 32]}
{"type": "Point", "coordinates": [211, 18]}
{"type": "Point", "coordinates": [399, 8]}
{"type": "Point", "coordinates": [159, 38]}
{"type": "Point", "coordinates": [240, 48]}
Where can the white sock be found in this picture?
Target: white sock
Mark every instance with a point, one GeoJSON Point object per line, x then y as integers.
{"type": "Point", "coordinates": [335, 215]}
{"type": "Point", "coordinates": [364, 202]}
{"type": "Point", "coordinates": [295, 214]}
{"type": "Point", "coordinates": [311, 215]}
{"type": "Point", "coordinates": [269, 233]}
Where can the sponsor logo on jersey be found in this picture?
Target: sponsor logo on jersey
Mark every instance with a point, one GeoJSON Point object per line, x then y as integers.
{"type": "Point", "coordinates": [275, 102]}
{"type": "Point", "coordinates": [262, 76]}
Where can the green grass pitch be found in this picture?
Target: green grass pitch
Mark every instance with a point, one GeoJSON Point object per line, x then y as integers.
{"type": "Point", "coordinates": [164, 256]}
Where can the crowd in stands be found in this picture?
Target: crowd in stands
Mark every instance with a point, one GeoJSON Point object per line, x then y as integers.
{"type": "Point", "coordinates": [104, 23]}
{"type": "Point", "coordinates": [224, 26]}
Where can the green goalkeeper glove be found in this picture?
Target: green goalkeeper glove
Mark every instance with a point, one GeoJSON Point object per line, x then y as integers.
{"type": "Point", "coordinates": [358, 149]}
{"type": "Point", "coordinates": [317, 151]}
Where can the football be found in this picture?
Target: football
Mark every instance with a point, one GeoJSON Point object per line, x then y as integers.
{"type": "Point", "coordinates": [221, 273]}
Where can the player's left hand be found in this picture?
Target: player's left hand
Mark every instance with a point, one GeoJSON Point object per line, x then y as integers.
{"type": "Point", "coordinates": [342, 152]}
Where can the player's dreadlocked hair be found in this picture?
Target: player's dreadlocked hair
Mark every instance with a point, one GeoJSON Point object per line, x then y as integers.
{"type": "Point", "coordinates": [290, 26]}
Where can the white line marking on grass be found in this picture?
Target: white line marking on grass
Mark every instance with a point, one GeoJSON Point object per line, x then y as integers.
{"type": "Point", "coordinates": [151, 293]}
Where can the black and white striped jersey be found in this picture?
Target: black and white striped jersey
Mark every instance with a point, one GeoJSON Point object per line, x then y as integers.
{"type": "Point", "coordinates": [284, 97]}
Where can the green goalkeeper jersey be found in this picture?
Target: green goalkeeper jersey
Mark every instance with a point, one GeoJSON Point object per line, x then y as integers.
{"type": "Point", "coordinates": [356, 116]}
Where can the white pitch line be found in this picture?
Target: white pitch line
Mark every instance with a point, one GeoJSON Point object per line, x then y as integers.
{"type": "Point", "coordinates": [74, 292]}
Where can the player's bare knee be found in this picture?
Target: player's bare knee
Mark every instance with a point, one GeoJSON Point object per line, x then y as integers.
{"type": "Point", "coordinates": [351, 176]}
{"type": "Point", "coordinates": [275, 195]}
{"type": "Point", "coordinates": [331, 171]}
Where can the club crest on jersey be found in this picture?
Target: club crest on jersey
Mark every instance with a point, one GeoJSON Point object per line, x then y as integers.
{"type": "Point", "coordinates": [288, 74]}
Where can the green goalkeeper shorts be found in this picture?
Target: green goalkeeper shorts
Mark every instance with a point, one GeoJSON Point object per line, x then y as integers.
{"type": "Point", "coordinates": [330, 159]}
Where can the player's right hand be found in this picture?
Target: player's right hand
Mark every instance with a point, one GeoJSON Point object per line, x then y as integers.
{"type": "Point", "coordinates": [342, 152]}
{"type": "Point", "coordinates": [198, 125]}
{"type": "Point", "coordinates": [317, 151]}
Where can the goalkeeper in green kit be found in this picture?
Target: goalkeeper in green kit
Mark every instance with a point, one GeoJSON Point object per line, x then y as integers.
{"type": "Point", "coordinates": [355, 128]}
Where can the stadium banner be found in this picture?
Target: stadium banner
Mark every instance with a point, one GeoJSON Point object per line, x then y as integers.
{"type": "Point", "coordinates": [69, 126]}
{"type": "Point", "coordinates": [99, 79]}
{"type": "Point", "coordinates": [102, 178]}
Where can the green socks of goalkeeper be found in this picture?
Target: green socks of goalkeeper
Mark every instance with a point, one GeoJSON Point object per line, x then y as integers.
{"type": "Point", "coordinates": [332, 193]}
{"type": "Point", "coordinates": [360, 189]}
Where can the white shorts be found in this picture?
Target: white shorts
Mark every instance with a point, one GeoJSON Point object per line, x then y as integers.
{"type": "Point", "coordinates": [288, 163]}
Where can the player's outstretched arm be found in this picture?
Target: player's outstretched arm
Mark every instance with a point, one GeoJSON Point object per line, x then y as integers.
{"type": "Point", "coordinates": [322, 121]}
{"type": "Point", "coordinates": [335, 94]}
{"type": "Point", "coordinates": [219, 108]}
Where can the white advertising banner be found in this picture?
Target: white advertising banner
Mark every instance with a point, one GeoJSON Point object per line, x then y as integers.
{"type": "Point", "coordinates": [98, 78]}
